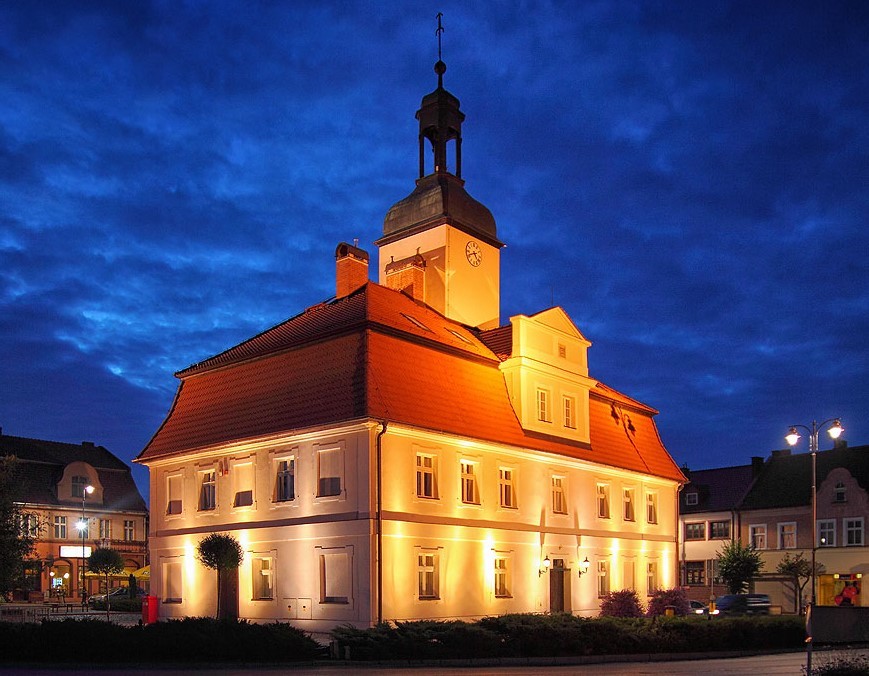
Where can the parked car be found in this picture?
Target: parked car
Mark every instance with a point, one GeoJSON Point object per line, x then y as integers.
{"type": "Point", "coordinates": [742, 604]}
{"type": "Point", "coordinates": [115, 595]}
{"type": "Point", "coordinates": [698, 607]}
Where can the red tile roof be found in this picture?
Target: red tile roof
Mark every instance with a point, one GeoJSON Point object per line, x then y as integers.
{"type": "Point", "coordinates": [378, 354]}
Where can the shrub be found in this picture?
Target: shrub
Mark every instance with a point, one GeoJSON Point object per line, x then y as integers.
{"type": "Point", "coordinates": [850, 665]}
{"type": "Point", "coordinates": [622, 603]}
{"type": "Point", "coordinates": [661, 598]}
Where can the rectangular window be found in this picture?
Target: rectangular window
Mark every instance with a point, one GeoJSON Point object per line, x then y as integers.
{"type": "Point", "coordinates": [651, 508]}
{"type": "Point", "coordinates": [719, 530]}
{"type": "Point", "coordinates": [502, 576]}
{"type": "Point", "coordinates": [427, 575]}
{"type": "Point", "coordinates": [827, 533]}
{"type": "Point", "coordinates": [695, 531]}
{"type": "Point", "coordinates": [426, 476]}
{"type": "Point", "coordinates": [335, 577]}
{"type": "Point", "coordinates": [262, 578]}
{"type": "Point", "coordinates": [79, 484]}
{"type": "Point", "coordinates": [787, 535]}
{"type": "Point", "coordinates": [629, 504]}
{"type": "Point", "coordinates": [285, 480]}
{"type": "Point", "coordinates": [207, 491]}
{"type": "Point", "coordinates": [559, 502]}
{"type": "Point", "coordinates": [603, 578]}
{"type": "Point", "coordinates": [329, 472]}
{"type": "Point", "coordinates": [174, 503]}
{"type": "Point", "coordinates": [543, 413]}
{"type": "Point", "coordinates": [507, 487]}
{"type": "Point", "coordinates": [651, 576]}
{"type": "Point", "coordinates": [757, 535]}
{"type": "Point", "coordinates": [242, 481]}
{"type": "Point", "coordinates": [82, 528]}
{"type": "Point", "coordinates": [470, 494]}
{"type": "Point", "coordinates": [28, 525]}
{"type": "Point", "coordinates": [129, 530]}
{"type": "Point", "coordinates": [60, 527]}
{"type": "Point", "coordinates": [172, 582]}
{"type": "Point", "coordinates": [839, 492]}
{"type": "Point", "coordinates": [603, 501]}
{"type": "Point", "coordinates": [570, 412]}
{"type": "Point", "coordinates": [691, 499]}
{"type": "Point", "coordinates": [854, 532]}
{"type": "Point", "coordinates": [105, 529]}
{"type": "Point", "coordinates": [695, 572]}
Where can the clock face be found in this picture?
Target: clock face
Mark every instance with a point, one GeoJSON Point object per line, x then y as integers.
{"type": "Point", "coordinates": [473, 253]}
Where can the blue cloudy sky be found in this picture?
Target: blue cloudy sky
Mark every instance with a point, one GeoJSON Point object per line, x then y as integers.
{"type": "Point", "coordinates": [687, 179]}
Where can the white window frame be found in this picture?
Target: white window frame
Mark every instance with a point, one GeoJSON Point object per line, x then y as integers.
{"type": "Point", "coordinates": [262, 576]}
{"type": "Point", "coordinates": [603, 500]}
{"type": "Point", "coordinates": [427, 476]}
{"type": "Point", "coordinates": [853, 524]}
{"type": "Point", "coordinates": [827, 526]}
{"type": "Point", "coordinates": [428, 574]}
{"type": "Point", "coordinates": [243, 475]}
{"type": "Point", "coordinates": [569, 410]}
{"type": "Point", "coordinates": [692, 499]}
{"type": "Point", "coordinates": [173, 580]}
{"type": "Point", "coordinates": [783, 536]}
{"type": "Point", "coordinates": [652, 579]}
{"type": "Point", "coordinates": [286, 485]}
{"type": "Point", "coordinates": [60, 528]}
{"type": "Point", "coordinates": [174, 494]}
{"type": "Point", "coordinates": [629, 504]}
{"type": "Point", "coordinates": [129, 530]}
{"type": "Point", "coordinates": [544, 413]}
{"type": "Point", "coordinates": [207, 490]}
{"type": "Point", "coordinates": [336, 575]}
{"type": "Point", "coordinates": [105, 526]}
{"type": "Point", "coordinates": [330, 459]}
{"type": "Point", "coordinates": [470, 485]}
{"type": "Point", "coordinates": [507, 488]}
{"type": "Point", "coordinates": [604, 584]}
{"type": "Point", "coordinates": [502, 565]}
{"type": "Point", "coordinates": [755, 531]}
{"type": "Point", "coordinates": [558, 488]}
{"type": "Point", "coordinates": [651, 507]}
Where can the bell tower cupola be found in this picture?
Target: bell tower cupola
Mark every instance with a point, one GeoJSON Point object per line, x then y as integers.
{"type": "Point", "coordinates": [453, 233]}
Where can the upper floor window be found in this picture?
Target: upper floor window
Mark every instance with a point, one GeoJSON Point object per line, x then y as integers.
{"type": "Point", "coordinates": [787, 535]}
{"type": "Point", "coordinates": [543, 412]}
{"type": "Point", "coordinates": [105, 529]}
{"type": "Point", "coordinates": [28, 525]}
{"type": "Point", "coordinates": [569, 412]}
{"type": "Point", "coordinates": [603, 501]}
{"type": "Point", "coordinates": [651, 507]}
{"type": "Point", "coordinates": [629, 504]}
{"type": "Point", "coordinates": [242, 481]}
{"type": "Point", "coordinates": [559, 501]}
{"type": "Point", "coordinates": [757, 535]}
{"type": "Point", "coordinates": [839, 492]}
{"type": "Point", "coordinates": [426, 476]}
{"type": "Point", "coordinates": [854, 532]}
{"type": "Point", "coordinates": [129, 530]}
{"type": "Point", "coordinates": [60, 527]}
{"type": "Point", "coordinates": [507, 486]}
{"type": "Point", "coordinates": [285, 480]}
{"type": "Point", "coordinates": [719, 530]}
{"type": "Point", "coordinates": [695, 531]}
{"type": "Point", "coordinates": [207, 490]}
{"type": "Point", "coordinates": [470, 492]}
{"type": "Point", "coordinates": [79, 485]}
{"type": "Point", "coordinates": [174, 502]}
{"type": "Point", "coordinates": [329, 472]}
{"type": "Point", "coordinates": [691, 499]}
{"type": "Point", "coordinates": [827, 533]}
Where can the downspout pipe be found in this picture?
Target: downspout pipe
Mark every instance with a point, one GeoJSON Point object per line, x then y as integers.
{"type": "Point", "coordinates": [378, 517]}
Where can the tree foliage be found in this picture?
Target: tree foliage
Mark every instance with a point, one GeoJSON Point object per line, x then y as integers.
{"type": "Point", "coordinates": [106, 561]}
{"type": "Point", "coordinates": [738, 565]}
{"type": "Point", "coordinates": [622, 603]}
{"type": "Point", "coordinates": [798, 570]}
{"type": "Point", "coordinates": [223, 553]}
{"type": "Point", "coordinates": [675, 598]}
{"type": "Point", "coordinates": [16, 543]}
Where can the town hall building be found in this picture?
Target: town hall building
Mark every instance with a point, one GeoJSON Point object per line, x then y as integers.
{"type": "Point", "coordinates": [397, 452]}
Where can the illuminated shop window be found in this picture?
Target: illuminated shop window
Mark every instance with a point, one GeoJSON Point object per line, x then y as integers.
{"type": "Point", "coordinates": [507, 486]}
{"type": "Point", "coordinates": [285, 480]}
{"type": "Point", "coordinates": [559, 501]}
{"type": "Point", "coordinates": [426, 476]}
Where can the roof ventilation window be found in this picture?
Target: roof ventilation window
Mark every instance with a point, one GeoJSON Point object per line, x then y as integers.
{"type": "Point", "coordinates": [460, 336]}
{"type": "Point", "coordinates": [416, 322]}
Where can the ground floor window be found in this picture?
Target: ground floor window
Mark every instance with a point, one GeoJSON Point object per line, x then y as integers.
{"type": "Point", "coordinates": [262, 577]}
{"type": "Point", "coordinates": [428, 574]}
{"type": "Point", "coordinates": [172, 581]}
{"type": "Point", "coordinates": [335, 576]}
{"type": "Point", "coordinates": [502, 576]}
{"type": "Point", "coordinates": [695, 572]}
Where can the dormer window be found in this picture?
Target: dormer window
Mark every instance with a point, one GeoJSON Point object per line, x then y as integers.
{"type": "Point", "coordinates": [691, 499]}
{"type": "Point", "coordinates": [839, 492]}
{"type": "Point", "coordinates": [79, 485]}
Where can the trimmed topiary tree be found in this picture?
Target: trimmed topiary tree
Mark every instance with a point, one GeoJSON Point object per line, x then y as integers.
{"type": "Point", "coordinates": [223, 553]}
{"type": "Point", "coordinates": [622, 603]}
{"type": "Point", "coordinates": [106, 561]}
{"type": "Point", "coordinates": [662, 598]}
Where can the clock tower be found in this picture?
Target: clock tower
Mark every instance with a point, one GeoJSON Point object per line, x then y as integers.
{"type": "Point", "coordinates": [440, 230]}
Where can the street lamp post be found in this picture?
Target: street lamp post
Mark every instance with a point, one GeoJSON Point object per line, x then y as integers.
{"type": "Point", "coordinates": [835, 430]}
{"type": "Point", "coordinates": [82, 527]}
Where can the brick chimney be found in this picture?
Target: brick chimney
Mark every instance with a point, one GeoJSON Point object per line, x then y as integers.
{"type": "Point", "coordinates": [351, 269]}
{"type": "Point", "coordinates": [407, 275]}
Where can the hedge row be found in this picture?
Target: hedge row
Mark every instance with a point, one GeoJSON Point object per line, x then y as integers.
{"type": "Point", "coordinates": [200, 640]}
{"type": "Point", "coordinates": [560, 635]}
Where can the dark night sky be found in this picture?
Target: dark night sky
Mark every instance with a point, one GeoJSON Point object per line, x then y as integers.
{"type": "Point", "coordinates": [689, 180]}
